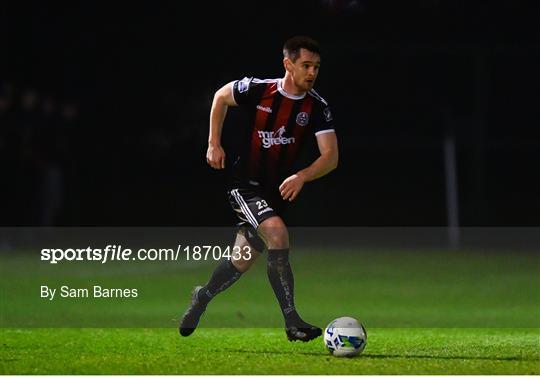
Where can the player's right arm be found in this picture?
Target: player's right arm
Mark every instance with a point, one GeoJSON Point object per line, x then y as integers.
{"type": "Point", "coordinates": [223, 98]}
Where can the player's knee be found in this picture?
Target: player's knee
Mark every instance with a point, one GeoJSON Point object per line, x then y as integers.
{"type": "Point", "coordinates": [278, 241]}
{"type": "Point", "coordinates": [275, 233]}
{"type": "Point", "coordinates": [245, 253]}
{"type": "Point", "coordinates": [243, 265]}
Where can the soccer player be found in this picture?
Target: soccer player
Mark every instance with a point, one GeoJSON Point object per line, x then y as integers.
{"type": "Point", "coordinates": [282, 114]}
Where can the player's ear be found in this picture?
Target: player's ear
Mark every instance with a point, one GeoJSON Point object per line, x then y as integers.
{"type": "Point", "coordinates": [287, 64]}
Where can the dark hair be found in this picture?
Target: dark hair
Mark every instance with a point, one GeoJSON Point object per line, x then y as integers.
{"type": "Point", "coordinates": [292, 46]}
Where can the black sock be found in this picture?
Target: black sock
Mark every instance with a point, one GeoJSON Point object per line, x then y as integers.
{"type": "Point", "coordinates": [282, 281]}
{"type": "Point", "coordinates": [222, 278]}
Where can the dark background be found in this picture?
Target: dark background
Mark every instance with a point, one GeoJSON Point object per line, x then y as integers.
{"type": "Point", "coordinates": [104, 108]}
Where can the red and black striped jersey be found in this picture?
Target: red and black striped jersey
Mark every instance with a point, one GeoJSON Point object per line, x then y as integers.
{"type": "Point", "coordinates": [278, 125]}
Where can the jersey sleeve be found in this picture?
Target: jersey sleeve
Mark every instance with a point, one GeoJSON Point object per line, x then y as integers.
{"type": "Point", "coordinates": [243, 92]}
{"type": "Point", "coordinates": [323, 120]}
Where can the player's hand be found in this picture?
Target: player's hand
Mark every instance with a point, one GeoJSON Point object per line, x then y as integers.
{"type": "Point", "coordinates": [215, 156]}
{"type": "Point", "coordinates": [290, 188]}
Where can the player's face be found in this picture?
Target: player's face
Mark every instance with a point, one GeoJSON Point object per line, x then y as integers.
{"type": "Point", "coordinates": [305, 70]}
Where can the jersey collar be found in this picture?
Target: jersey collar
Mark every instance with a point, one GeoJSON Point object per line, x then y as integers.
{"type": "Point", "coordinates": [285, 94]}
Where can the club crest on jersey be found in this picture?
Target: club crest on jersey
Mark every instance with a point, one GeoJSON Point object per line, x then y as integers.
{"type": "Point", "coordinates": [270, 138]}
{"type": "Point", "coordinates": [302, 118]}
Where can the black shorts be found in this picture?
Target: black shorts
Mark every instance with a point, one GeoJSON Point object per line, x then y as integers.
{"type": "Point", "coordinates": [253, 205]}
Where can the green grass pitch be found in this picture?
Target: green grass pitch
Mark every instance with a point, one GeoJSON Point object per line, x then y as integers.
{"type": "Point", "coordinates": [265, 351]}
{"type": "Point", "coordinates": [426, 312]}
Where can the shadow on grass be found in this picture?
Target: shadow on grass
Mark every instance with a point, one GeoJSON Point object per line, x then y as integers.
{"type": "Point", "coordinates": [376, 356]}
{"type": "Point", "coordinates": [494, 358]}
{"type": "Point", "coordinates": [275, 352]}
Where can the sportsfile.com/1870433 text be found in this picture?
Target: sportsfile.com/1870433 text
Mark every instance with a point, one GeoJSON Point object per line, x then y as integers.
{"type": "Point", "coordinates": [120, 253]}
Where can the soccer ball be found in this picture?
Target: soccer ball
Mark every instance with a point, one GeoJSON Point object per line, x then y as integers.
{"type": "Point", "coordinates": [345, 336]}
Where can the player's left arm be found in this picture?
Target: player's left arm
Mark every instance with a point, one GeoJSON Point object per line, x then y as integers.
{"type": "Point", "coordinates": [327, 161]}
